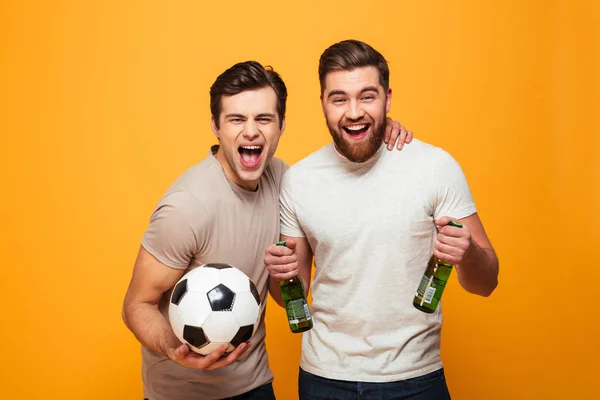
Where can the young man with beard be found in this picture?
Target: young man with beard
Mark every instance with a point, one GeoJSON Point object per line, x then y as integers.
{"type": "Point", "coordinates": [224, 209]}
{"type": "Point", "coordinates": [371, 242]}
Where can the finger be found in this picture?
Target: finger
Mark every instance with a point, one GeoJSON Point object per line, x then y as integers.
{"type": "Point", "coordinates": [275, 252]}
{"type": "Point", "coordinates": [401, 138]}
{"type": "Point", "coordinates": [409, 137]}
{"type": "Point", "coordinates": [396, 131]}
{"type": "Point", "coordinates": [445, 257]}
{"type": "Point", "coordinates": [388, 130]}
{"type": "Point", "coordinates": [181, 351]}
{"type": "Point", "coordinates": [455, 249]}
{"type": "Point", "coordinates": [443, 221]}
{"type": "Point", "coordinates": [285, 276]}
{"type": "Point", "coordinates": [450, 235]}
{"type": "Point", "coordinates": [278, 251]}
{"type": "Point", "coordinates": [231, 357]}
{"type": "Point", "coordinates": [279, 270]}
{"type": "Point", "coordinates": [451, 250]}
{"type": "Point", "coordinates": [207, 361]}
{"type": "Point", "coordinates": [290, 244]}
{"type": "Point", "coordinates": [452, 246]}
{"type": "Point", "coordinates": [282, 269]}
{"type": "Point", "coordinates": [281, 260]}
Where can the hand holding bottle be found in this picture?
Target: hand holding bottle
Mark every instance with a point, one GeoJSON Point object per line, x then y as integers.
{"type": "Point", "coordinates": [449, 249]}
{"type": "Point", "coordinates": [453, 243]}
{"type": "Point", "coordinates": [281, 260]}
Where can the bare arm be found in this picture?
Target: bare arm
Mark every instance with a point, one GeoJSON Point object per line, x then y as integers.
{"type": "Point", "coordinates": [150, 280]}
{"type": "Point", "coordinates": [471, 251]}
{"type": "Point", "coordinates": [286, 262]}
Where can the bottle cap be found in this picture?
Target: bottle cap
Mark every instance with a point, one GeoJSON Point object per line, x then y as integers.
{"type": "Point", "coordinates": [452, 223]}
{"type": "Point", "coordinates": [280, 243]}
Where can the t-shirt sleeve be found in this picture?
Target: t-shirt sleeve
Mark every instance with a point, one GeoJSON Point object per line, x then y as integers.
{"type": "Point", "coordinates": [175, 226]}
{"type": "Point", "coordinates": [453, 196]}
{"type": "Point", "coordinates": [281, 168]}
{"type": "Point", "coordinates": [287, 211]}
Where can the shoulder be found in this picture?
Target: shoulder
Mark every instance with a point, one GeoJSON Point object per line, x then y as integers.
{"type": "Point", "coordinates": [418, 148]}
{"type": "Point", "coordinates": [276, 168]}
{"type": "Point", "coordinates": [193, 189]}
{"type": "Point", "coordinates": [325, 156]}
{"type": "Point", "coordinates": [421, 155]}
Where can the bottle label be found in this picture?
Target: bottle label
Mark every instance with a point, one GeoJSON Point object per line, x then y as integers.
{"type": "Point", "coordinates": [297, 311]}
{"type": "Point", "coordinates": [429, 295]}
{"type": "Point", "coordinates": [425, 290]}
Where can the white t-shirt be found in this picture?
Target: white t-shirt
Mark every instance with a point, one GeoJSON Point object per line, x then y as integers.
{"type": "Point", "coordinates": [370, 227]}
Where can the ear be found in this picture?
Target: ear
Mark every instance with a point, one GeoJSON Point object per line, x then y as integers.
{"type": "Point", "coordinates": [282, 127]}
{"type": "Point", "coordinates": [322, 106]}
{"type": "Point", "coordinates": [388, 100]}
{"type": "Point", "coordinates": [213, 127]}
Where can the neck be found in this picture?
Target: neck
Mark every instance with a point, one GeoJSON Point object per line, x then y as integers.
{"type": "Point", "coordinates": [251, 186]}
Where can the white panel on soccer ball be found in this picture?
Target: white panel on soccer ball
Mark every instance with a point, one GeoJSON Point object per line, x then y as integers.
{"type": "Point", "coordinates": [176, 320]}
{"type": "Point", "coordinates": [209, 348]}
{"type": "Point", "coordinates": [202, 279]}
{"type": "Point", "coordinates": [235, 280]}
{"type": "Point", "coordinates": [221, 327]}
{"type": "Point", "coordinates": [245, 309]}
{"type": "Point", "coordinates": [194, 308]}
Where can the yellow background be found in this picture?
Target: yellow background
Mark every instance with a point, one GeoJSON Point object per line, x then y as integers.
{"type": "Point", "coordinates": [104, 103]}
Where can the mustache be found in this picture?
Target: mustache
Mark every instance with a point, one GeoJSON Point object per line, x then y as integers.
{"type": "Point", "coordinates": [362, 120]}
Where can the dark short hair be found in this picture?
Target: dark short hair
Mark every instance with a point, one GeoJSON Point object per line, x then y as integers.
{"type": "Point", "coordinates": [248, 75]}
{"type": "Point", "coordinates": [350, 54]}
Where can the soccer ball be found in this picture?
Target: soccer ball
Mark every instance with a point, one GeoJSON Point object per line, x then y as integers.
{"type": "Point", "coordinates": [212, 305]}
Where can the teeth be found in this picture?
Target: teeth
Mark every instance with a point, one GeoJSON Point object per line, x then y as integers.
{"type": "Point", "coordinates": [356, 127]}
{"type": "Point", "coordinates": [251, 147]}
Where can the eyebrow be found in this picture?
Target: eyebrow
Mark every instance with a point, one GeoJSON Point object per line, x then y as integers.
{"type": "Point", "coordinates": [235, 116]}
{"type": "Point", "coordinates": [341, 92]}
{"type": "Point", "coordinates": [261, 115]}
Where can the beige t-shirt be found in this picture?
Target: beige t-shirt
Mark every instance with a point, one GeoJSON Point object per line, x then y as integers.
{"type": "Point", "coordinates": [371, 229]}
{"type": "Point", "coordinates": [205, 218]}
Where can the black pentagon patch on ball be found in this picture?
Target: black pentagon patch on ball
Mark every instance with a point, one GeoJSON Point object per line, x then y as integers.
{"type": "Point", "coordinates": [194, 336]}
{"type": "Point", "coordinates": [178, 292]}
{"type": "Point", "coordinates": [254, 292]}
{"type": "Point", "coordinates": [243, 335]}
{"type": "Point", "coordinates": [218, 266]}
{"type": "Point", "coordinates": [221, 298]}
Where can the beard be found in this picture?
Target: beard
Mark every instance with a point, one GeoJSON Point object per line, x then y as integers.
{"type": "Point", "coordinates": [361, 151]}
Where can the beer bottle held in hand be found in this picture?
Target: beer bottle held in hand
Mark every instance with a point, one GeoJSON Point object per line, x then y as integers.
{"type": "Point", "coordinates": [296, 305]}
{"type": "Point", "coordinates": [433, 282]}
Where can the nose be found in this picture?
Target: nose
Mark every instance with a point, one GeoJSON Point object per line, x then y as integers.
{"type": "Point", "coordinates": [354, 111]}
{"type": "Point", "coordinates": [251, 130]}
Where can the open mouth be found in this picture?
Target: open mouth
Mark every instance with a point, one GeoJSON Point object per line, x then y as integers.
{"type": "Point", "coordinates": [250, 155]}
{"type": "Point", "coordinates": [356, 131]}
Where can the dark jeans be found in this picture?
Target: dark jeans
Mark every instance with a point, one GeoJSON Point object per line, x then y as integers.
{"type": "Point", "coordinates": [431, 386]}
{"type": "Point", "coordinates": [264, 392]}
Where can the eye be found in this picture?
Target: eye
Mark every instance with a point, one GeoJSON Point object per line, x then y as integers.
{"type": "Point", "coordinates": [264, 120]}
{"type": "Point", "coordinates": [368, 97]}
{"type": "Point", "coordinates": [339, 100]}
{"type": "Point", "coordinates": [235, 120]}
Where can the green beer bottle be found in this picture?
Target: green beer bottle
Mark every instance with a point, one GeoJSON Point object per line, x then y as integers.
{"type": "Point", "coordinates": [433, 282]}
{"type": "Point", "coordinates": [296, 306]}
